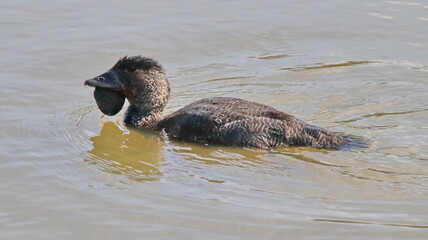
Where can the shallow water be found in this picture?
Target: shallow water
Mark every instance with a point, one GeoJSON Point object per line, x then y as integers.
{"type": "Point", "coordinates": [359, 67]}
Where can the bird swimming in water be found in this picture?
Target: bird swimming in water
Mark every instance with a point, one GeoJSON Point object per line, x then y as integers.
{"type": "Point", "coordinates": [218, 120]}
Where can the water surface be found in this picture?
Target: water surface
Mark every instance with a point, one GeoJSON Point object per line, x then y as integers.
{"type": "Point", "coordinates": [360, 67]}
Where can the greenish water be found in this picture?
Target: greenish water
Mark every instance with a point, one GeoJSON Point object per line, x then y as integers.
{"type": "Point", "coordinates": [360, 67]}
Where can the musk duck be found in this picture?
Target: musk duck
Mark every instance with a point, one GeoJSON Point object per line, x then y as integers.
{"type": "Point", "coordinates": [217, 120]}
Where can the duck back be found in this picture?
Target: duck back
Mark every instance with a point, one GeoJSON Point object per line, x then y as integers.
{"type": "Point", "coordinates": [237, 122]}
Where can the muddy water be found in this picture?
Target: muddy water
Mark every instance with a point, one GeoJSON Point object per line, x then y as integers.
{"type": "Point", "coordinates": [360, 67]}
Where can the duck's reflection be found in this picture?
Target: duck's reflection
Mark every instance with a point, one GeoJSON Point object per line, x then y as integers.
{"type": "Point", "coordinates": [139, 155]}
{"type": "Point", "coordinates": [241, 156]}
{"type": "Point", "coordinates": [133, 154]}
{"type": "Point", "coordinates": [212, 154]}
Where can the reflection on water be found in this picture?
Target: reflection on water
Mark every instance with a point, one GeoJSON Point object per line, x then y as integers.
{"type": "Point", "coordinates": [209, 154]}
{"type": "Point", "coordinates": [135, 155]}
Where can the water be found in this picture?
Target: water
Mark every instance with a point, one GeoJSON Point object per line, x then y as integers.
{"type": "Point", "coordinates": [360, 67]}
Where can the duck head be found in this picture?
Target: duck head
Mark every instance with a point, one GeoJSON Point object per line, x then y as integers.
{"type": "Point", "coordinates": [139, 79]}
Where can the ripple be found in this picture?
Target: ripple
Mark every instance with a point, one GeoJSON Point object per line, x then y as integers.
{"type": "Point", "coordinates": [404, 3]}
{"type": "Point", "coordinates": [316, 66]}
{"type": "Point", "coordinates": [379, 15]}
{"type": "Point", "coordinates": [227, 78]}
{"type": "Point", "coordinates": [372, 223]}
{"type": "Point", "coordinates": [380, 115]}
{"type": "Point", "coordinates": [274, 56]}
{"type": "Point", "coordinates": [304, 158]}
{"type": "Point", "coordinates": [78, 114]}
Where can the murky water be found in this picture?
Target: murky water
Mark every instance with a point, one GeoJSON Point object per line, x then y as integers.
{"type": "Point", "coordinates": [360, 67]}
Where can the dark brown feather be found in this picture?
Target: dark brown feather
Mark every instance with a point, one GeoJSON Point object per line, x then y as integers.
{"type": "Point", "coordinates": [232, 121]}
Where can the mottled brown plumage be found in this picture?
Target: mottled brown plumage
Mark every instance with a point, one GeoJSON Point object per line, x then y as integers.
{"type": "Point", "coordinates": [220, 120]}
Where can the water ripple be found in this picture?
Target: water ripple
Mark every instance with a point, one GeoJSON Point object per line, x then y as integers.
{"type": "Point", "coordinates": [380, 115]}
{"type": "Point", "coordinates": [78, 114]}
{"type": "Point", "coordinates": [316, 66]}
{"type": "Point", "coordinates": [370, 223]}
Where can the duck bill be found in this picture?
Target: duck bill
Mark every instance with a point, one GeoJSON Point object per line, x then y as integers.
{"type": "Point", "coordinates": [108, 93]}
{"type": "Point", "coordinates": [108, 80]}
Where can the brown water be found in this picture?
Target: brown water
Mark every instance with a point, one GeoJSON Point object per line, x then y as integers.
{"type": "Point", "coordinates": [360, 67]}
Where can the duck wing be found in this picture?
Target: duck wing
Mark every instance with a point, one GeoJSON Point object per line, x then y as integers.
{"type": "Point", "coordinates": [237, 122]}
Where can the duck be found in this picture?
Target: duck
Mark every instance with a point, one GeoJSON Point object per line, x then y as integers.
{"type": "Point", "coordinates": [217, 120]}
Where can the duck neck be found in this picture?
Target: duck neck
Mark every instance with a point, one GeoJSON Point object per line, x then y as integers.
{"type": "Point", "coordinates": [142, 117]}
{"type": "Point", "coordinates": [147, 94]}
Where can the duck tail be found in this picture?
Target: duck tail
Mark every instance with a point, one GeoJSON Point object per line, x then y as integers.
{"type": "Point", "coordinates": [320, 138]}
{"type": "Point", "coordinates": [354, 143]}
